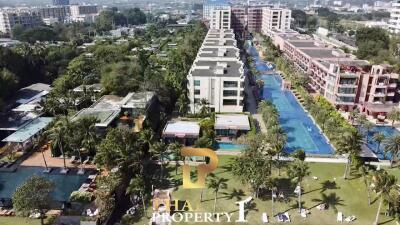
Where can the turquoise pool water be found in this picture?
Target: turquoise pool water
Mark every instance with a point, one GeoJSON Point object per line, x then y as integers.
{"type": "Point", "coordinates": [373, 145]}
{"type": "Point", "coordinates": [227, 146]}
{"type": "Point", "coordinates": [299, 127]}
{"type": "Point", "coordinates": [64, 184]}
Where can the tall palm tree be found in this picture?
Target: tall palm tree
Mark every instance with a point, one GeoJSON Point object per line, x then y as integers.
{"type": "Point", "coordinates": [394, 116]}
{"type": "Point", "coordinates": [160, 149]}
{"type": "Point", "coordinates": [146, 136]}
{"type": "Point", "coordinates": [58, 133]}
{"type": "Point", "coordinates": [216, 184]}
{"type": "Point", "coordinates": [383, 183]}
{"type": "Point", "coordinates": [364, 171]}
{"type": "Point", "coordinates": [175, 148]}
{"type": "Point", "coordinates": [392, 146]}
{"type": "Point", "coordinates": [137, 186]}
{"type": "Point", "coordinates": [205, 106]}
{"type": "Point", "coordinates": [368, 126]}
{"type": "Point", "coordinates": [38, 144]}
{"type": "Point", "coordinates": [297, 171]}
{"type": "Point", "coordinates": [378, 137]}
{"type": "Point", "coordinates": [350, 145]}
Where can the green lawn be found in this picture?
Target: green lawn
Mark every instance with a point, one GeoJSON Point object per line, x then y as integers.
{"type": "Point", "coordinates": [348, 196]}
{"type": "Point", "coordinates": [18, 221]}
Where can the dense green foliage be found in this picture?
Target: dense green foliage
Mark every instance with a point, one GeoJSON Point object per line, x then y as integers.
{"type": "Point", "coordinates": [111, 18]}
{"type": "Point", "coordinates": [34, 194]}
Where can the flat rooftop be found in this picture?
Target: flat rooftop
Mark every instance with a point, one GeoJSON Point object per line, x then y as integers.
{"type": "Point", "coordinates": [32, 92]}
{"type": "Point", "coordinates": [306, 44]}
{"type": "Point", "coordinates": [221, 42]}
{"type": "Point", "coordinates": [13, 121]}
{"type": "Point", "coordinates": [209, 68]}
{"type": "Point", "coordinates": [108, 102]}
{"type": "Point", "coordinates": [137, 100]}
{"type": "Point", "coordinates": [181, 129]}
{"type": "Point", "coordinates": [232, 122]}
{"type": "Point", "coordinates": [104, 116]}
{"type": "Point", "coordinates": [323, 53]}
{"type": "Point", "coordinates": [95, 87]}
{"type": "Point", "coordinates": [29, 130]}
{"type": "Point", "coordinates": [214, 52]}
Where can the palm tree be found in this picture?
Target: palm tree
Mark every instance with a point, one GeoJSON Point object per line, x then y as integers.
{"type": "Point", "coordinates": [57, 134]}
{"type": "Point", "coordinates": [176, 148]}
{"type": "Point", "coordinates": [160, 149]}
{"type": "Point", "coordinates": [378, 137]}
{"type": "Point", "coordinates": [368, 126]}
{"type": "Point", "coordinates": [364, 171]}
{"type": "Point", "coordinates": [350, 145]}
{"type": "Point", "coordinates": [383, 183]}
{"type": "Point", "coordinates": [331, 200]}
{"type": "Point", "coordinates": [353, 114]}
{"type": "Point", "coordinates": [394, 116]}
{"type": "Point", "coordinates": [297, 171]}
{"type": "Point", "coordinates": [217, 184]}
{"type": "Point", "coordinates": [146, 137]}
{"type": "Point", "coordinates": [392, 146]}
{"type": "Point", "coordinates": [205, 106]}
{"type": "Point", "coordinates": [39, 144]}
{"type": "Point", "coordinates": [136, 185]}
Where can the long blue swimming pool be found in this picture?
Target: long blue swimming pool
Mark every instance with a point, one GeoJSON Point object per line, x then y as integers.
{"type": "Point", "coordinates": [64, 184]}
{"type": "Point", "coordinates": [299, 127]}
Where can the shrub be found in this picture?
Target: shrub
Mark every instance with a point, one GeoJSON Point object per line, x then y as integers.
{"type": "Point", "coordinates": [79, 196]}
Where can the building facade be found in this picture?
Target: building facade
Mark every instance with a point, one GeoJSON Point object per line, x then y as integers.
{"type": "Point", "coordinates": [60, 13]}
{"type": "Point", "coordinates": [217, 74]}
{"type": "Point", "coordinates": [84, 13]}
{"type": "Point", "coordinates": [394, 21]}
{"type": "Point", "coordinates": [220, 19]}
{"type": "Point", "coordinates": [275, 19]}
{"type": "Point", "coordinates": [345, 81]}
{"type": "Point", "coordinates": [210, 5]}
{"type": "Point", "coordinates": [239, 19]}
{"type": "Point", "coordinates": [254, 18]}
{"type": "Point", "coordinates": [9, 18]}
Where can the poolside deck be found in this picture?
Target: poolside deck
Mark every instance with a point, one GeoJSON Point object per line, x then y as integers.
{"type": "Point", "coordinates": [36, 159]}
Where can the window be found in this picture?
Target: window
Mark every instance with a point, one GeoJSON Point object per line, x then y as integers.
{"type": "Point", "coordinates": [196, 100]}
{"type": "Point", "coordinates": [241, 84]}
{"type": "Point", "coordinates": [196, 83]}
{"type": "Point", "coordinates": [196, 91]}
{"type": "Point", "coordinates": [228, 93]}
{"type": "Point", "coordinates": [230, 83]}
{"type": "Point", "coordinates": [229, 102]}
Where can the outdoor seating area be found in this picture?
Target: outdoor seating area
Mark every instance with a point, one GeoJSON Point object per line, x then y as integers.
{"type": "Point", "coordinates": [89, 185]}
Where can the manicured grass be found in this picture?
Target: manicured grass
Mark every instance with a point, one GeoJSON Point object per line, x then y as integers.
{"type": "Point", "coordinates": [16, 220]}
{"type": "Point", "coordinates": [348, 196]}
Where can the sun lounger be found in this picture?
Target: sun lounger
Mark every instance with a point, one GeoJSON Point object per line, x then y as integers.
{"type": "Point", "coordinates": [303, 213]}
{"type": "Point", "coordinates": [73, 159]}
{"type": "Point", "coordinates": [321, 206]}
{"type": "Point", "coordinates": [87, 160]}
{"type": "Point", "coordinates": [265, 218]}
{"type": "Point", "coordinates": [350, 219]}
{"type": "Point", "coordinates": [283, 217]}
{"type": "Point", "coordinates": [35, 215]}
{"type": "Point", "coordinates": [92, 177]}
{"type": "Point", "coordinates": [339, 217]}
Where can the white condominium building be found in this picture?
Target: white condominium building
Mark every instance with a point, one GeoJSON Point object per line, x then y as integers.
{"type": "Point", "coordinates": [11, 17]}
{"type": "Point", "coordinates": [275, 19]}
{"type": "Point", "coordinates": [217, 74]}
{"type": "Point", "coordinates": [220, 19]}
{"type": "Point", "coordinates": [210, 5]}
{"type": "Point", "coordinates": [394, 22]}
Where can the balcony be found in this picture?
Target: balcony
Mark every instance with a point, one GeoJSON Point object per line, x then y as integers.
{"type": "Point", "coordinates": [379, 94]}
{"type": "Point", "coordinates": [343, 94]}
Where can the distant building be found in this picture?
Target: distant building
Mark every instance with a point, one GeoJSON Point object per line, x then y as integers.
{"type": "Point", "coordinates": [84, 13]}
{"type": "Point", "coordinates": [60, 2]}
{"type": "Point", "coordinates": [220, 19]}
{"type": "Point", "coordinates": [394, 22]}
{"type": "Point", "coordinates": [254, 18]}
{"type": "Point", "coordinates": [275, 19]}
{"type": "Point", "coordinates": [210, 5]}
{"type": "Point", "coordinates": [238, 18]}
{"type": "Point", "coordinates": [9, 18]}
{"type": "Point", "coordinates": [60, 13]}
